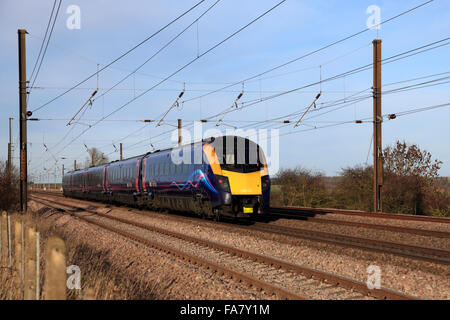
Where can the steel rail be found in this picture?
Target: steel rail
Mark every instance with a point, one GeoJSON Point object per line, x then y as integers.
{"type": "Point", "coordinates": [306, 210]}
{"type": "Point", "coordinates": [311, 214]}
{"type": "Point", "coordinates": [231, 274]}
{"type": "Point", "coordinates": [382, 293]}
{"type": "Point", "coordinates": [429, 254]}
{"type": "Point", "coordinates": [434, 255]}
{"type": "Point", "coordinates": [308, 216]}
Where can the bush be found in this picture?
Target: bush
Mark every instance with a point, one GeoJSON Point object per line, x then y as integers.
{"type": "Point", "coordinates": [409, 186]}
{"type": "Point", "coordinates": [299, 187]}
{"type": "Point", "coordinates": [354, 190]}
{"type": "Point", "coordinates": [9, 188]}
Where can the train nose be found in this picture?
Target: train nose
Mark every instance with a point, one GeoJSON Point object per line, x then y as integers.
{"type": "Point", "coordinates": [244, 183]}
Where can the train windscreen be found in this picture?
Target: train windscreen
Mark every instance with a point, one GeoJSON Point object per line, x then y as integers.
{"type": "Point", "coordinates": [238, 154]}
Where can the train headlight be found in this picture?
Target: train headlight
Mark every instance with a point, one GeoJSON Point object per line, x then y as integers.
{"type": "Point", "coordinates": [265, 183]}
{"type": "Point", "coordinates": [223, 183]}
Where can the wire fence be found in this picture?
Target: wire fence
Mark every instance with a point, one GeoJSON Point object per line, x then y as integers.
{"type": "Point", "coordinates": [20, 252]}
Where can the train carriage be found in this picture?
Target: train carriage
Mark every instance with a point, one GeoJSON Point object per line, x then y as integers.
{"type": "Point", "coordinates": [222, 176]}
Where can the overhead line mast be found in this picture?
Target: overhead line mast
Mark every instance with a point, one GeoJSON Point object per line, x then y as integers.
{"type": "Point", "coordinates": [23, 120]}
{"type": "Point", "coordinates": [377, 121]}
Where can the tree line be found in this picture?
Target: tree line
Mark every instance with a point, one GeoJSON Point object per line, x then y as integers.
{"type": "Point", "coordinates": [411, 185]}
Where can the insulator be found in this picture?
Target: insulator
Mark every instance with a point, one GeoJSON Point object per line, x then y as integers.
{"type": "Point", "coordinates": [392, 116]}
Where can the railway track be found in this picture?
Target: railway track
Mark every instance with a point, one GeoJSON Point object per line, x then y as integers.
{"type": "Point", "coordinates": [275, 276]}
{"type": "Point", "coordinates": [375, 226]}
{"type": "Point", "coordinates": [304, 212]}
{"type": "Point", "coordinates": [319, 216]}
{"type": "Point", "coordinates": [434, 255]}
{"type": "Point", "coordinates": [429, 254]}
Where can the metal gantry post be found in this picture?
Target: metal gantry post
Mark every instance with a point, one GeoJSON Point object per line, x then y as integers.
{"type": "Point", "coordinates": [121, 154]}
{"type": "Point", "coordinates": [179, 133]}
{"type": "Point", "coordinates": [23, 119]}
{"type": "Point", "coordinates": [377, 121]}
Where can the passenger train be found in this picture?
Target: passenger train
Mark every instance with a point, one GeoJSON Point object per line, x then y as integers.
{"type": "Point", "coordinates": [224, 176]}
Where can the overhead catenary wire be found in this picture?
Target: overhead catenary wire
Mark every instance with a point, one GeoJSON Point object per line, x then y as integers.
{"type": "Point", "coordinates": [178, 70]}
{"type": "Point", "coordinates": [46, 46]}
{"type": "Point", "coordinates": [309, 53]}
{"type": "Point", "coordinates": [159, 51]}
{"type": "Point", "coordinates": [356, 100]}
{"type": "Point", "coordinates": [348, 102]}
{"type": "Point", "coordinates": [182, 68]}
{"type": "Point", "coordinates": [396, 57]}
{"type": "Point", "coordinates": [120, 57]}
{"type": "Point", "coordinates": [391, 57]}
{"type": "Point", "coordinates": [43, 40]}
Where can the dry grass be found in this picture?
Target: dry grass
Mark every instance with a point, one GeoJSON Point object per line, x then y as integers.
{"type": "Point", "coordinates": [99, 279]}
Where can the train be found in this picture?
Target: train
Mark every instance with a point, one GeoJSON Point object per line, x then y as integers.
{"type": "Point", "coordinates": [212, 178]}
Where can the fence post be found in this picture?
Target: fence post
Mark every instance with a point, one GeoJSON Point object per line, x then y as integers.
{"type": "Point", "coordinates": [55, 270]}
{"type": "Point", "coordinates": [38, 265]}
{"type": "Point", "coordinates": [4, 239]}
{"type": "Point", "coordinates": [18, 238]}
{"type": "Point", "coordinates": [9, 241]}
{"type": "Point", "coordinates": [30, 264]}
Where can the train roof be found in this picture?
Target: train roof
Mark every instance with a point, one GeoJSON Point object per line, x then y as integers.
{"type": "Point", "coordinates": [207, 140]}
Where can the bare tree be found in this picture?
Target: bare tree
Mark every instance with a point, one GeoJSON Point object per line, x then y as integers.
{"type": "Point", "coordinates": [95, 158]}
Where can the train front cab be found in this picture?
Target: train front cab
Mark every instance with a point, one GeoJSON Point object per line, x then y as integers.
{"type": "Point", "coordinates": [241, 175]}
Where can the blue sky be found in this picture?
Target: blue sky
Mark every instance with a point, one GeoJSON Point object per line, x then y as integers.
{"type": "Point", "coordinates": [109, 28]}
